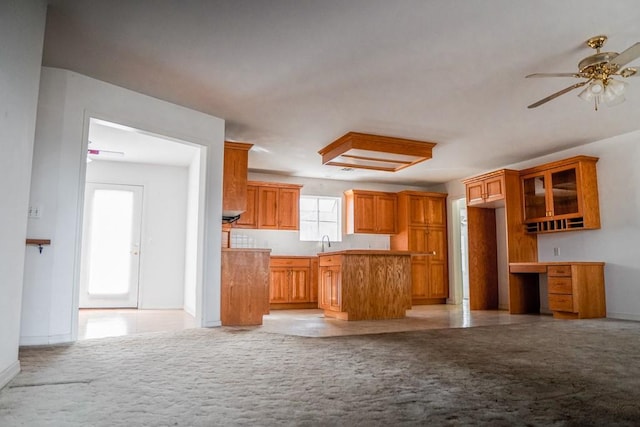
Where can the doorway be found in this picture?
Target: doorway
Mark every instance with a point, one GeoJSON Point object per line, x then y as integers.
{"type": "Point", "coordinates": [110, 262]}
{"type": "Point", "coordinates": [460, 251]}
{"type": "Point", "coordinates": [139, 253]}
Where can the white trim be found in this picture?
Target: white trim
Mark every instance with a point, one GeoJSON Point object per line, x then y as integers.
{"type": "Point", "coordinates": [46, 340]}
{"type": "Point", "coordinates": [8, 374]}
{"type": "Point", "coordinates": [623, 316]}
{"type": "Point", "coordinates": [211, 324]}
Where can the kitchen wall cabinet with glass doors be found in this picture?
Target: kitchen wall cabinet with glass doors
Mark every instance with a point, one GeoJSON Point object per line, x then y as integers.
{"type": "Point", "coordinates": [561, 196]}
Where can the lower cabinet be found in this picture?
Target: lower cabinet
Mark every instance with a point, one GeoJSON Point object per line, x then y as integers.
{"type": "Point", "coordinates": [293, 282]}
{"type": "Point", "coordinates": [329, 288]}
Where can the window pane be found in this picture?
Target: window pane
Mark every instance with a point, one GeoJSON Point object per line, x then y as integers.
{"type": "Point", "coordinates": [320, 216]}
{"type": "Point", "coordinates": [110, 250]}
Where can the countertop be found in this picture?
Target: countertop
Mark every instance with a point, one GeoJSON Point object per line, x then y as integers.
{"type": "Point", "coordinates": [370, 252]}
{"type": "Point", "coordinates": [245, 250]}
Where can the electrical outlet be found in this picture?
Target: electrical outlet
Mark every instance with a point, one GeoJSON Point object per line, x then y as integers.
{"type": "Point", "coordinates": [556, 251]}
{"type": "Point", "coordinates": [35, 212]}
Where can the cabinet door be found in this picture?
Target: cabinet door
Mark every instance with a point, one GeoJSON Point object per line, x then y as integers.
{"type": "Point", "coordinates": [437, 263]}
{"type": "Point", "coordinates": [364, 213]}
{"type": "Point", "coordinates": [385, 214]}
{"type": "Point", "coordinates": [564, 192]}
{"type": "Point", "coordinates": [278, 285]}
{"type": "Point", "coordinates": [249, 218]}
{"type": "Point", "coordinates": [234, 187]}
{"type": "Point", "coordinates": [288, 208]}
{"type": "Point", "coordinates": [419, 277]}
{"type": "Point", "coordinates": [436, 212]}
{"type": "Point", "coordinates": [299, 285]}
{"type": "Point", "coordinates": [335, 299]}
{"type": "Point", "coordinates": [325, 285]}
{"type": "Point", "coordinates": [268, 207]}
{"type": "Point", "coordinates": [475, 193]}
{"type": "Point", "coordinates": [417, 210]}
{"type": "Point", "coordinates": [494, 189]}
{"type": "Point", "coordinates": [535, 198]}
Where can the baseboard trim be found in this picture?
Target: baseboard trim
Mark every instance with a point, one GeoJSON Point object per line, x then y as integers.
{"type": "Point", "coordinates": [623, 316]}
{"type": "Point", "coordinates": [8, 374]}
{"type": "Point", "coordinates": [212, 324]}
{"type": "Point", "coordinates": [46, 340]}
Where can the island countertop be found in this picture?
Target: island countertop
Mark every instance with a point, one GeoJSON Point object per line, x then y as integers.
{"type": "Point", "coordinates": [370, 252]}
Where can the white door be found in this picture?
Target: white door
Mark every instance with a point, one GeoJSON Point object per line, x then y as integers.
{"type": "Point", "coordinates": [111, 246]}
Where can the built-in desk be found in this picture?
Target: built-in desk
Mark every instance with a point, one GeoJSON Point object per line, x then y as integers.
{"type": "Point", "coordinates": [575, 289]}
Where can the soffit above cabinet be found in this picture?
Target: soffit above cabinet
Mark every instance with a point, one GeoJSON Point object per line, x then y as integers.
{"type": "Point", "coordinates": [384, 153]}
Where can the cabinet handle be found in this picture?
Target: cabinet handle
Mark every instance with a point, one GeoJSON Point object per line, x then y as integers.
{"type": "Point", "coordinates": [432, 253]}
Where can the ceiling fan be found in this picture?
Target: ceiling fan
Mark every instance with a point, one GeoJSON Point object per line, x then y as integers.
{"type": "Point", "coordinates": [598, 71]}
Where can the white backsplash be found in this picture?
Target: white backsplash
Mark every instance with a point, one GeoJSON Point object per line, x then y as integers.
{"type": "Point", "coordinates": [288, 242]}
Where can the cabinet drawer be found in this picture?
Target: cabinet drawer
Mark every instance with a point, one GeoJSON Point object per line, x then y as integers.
{"type": "Point", "coordinates": [290, 262]}
{"type": "Point", "coordinates": [559, 270]}
{"type": "Point", "coordinates": [330, 260]}
{"type": "Point", "coordinates": [560, 285]}
{"type": "Point", "coordinates": [560, 302]}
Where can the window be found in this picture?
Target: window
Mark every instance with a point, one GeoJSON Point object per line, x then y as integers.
{"type": "Point", "coordinates": [320, 215]}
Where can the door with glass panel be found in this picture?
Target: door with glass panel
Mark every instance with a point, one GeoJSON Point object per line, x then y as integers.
{"type": "Point", "coordinates": [111, 246]}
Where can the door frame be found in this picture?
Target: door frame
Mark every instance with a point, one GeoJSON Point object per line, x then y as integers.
{"type": "Point", "coordinates": [207, 295]}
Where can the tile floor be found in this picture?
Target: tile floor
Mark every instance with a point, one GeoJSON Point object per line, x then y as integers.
{"type": "Point", "coordinates": [98, 323]}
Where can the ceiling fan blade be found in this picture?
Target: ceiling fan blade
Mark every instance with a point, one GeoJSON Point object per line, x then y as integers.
{"type": "Point", "coordinates": [627, 56]}
{"type": "Point", "coordinates": [557, 94]}
{"type": "Point", "coordinates": [536, 75]}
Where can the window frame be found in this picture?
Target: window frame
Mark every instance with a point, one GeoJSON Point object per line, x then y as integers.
{"type": "Point", "coordinates": [338, 221]}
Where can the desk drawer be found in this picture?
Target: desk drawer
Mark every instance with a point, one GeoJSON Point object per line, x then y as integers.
{"type": "Point", "coordinates": [560, 302]}
{"type": "Point", "coordinates": [560, 285]}
{"type": "Point", "coordinates": [559, 270]}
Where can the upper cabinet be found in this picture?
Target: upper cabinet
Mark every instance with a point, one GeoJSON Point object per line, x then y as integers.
{"type": "Point", "coordinates": [561, 196]}
{"type": "Point", "coordinates": [272, 206]}
{"type": "Point", "coordinates": [234, 180]}
{"type": "Point", "coordinates": [485, 190]}
{"type": "Point", "coordinates": [371, 212]}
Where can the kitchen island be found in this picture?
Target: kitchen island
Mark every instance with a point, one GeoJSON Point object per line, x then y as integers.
{"type": "Point", "coordinates": [361, 284]}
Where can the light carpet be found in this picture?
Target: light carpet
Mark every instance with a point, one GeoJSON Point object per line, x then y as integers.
{"type": "Point", "coordinates": [559, 373]}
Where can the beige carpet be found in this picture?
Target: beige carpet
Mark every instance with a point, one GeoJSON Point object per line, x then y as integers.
{"type": "Point", "coordinates": [560, 373]}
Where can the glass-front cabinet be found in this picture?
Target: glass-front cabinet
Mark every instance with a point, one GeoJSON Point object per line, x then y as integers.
{"type": "Point", "coordinates": [552, 193]}
{"type": "Point", "coordinates": [561, 195]}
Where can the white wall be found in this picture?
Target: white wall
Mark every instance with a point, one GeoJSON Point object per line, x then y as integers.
{"type": "Point", "coordinates": [67, 101]}
{"type": "Point", "coordinates": [288, 242]}
{"type": "Point", "coordinates": [163, 233]}
{"type": "Point", "coordinates": [21, 37]}
{"type": "Point", "coordinates": [616, 243]}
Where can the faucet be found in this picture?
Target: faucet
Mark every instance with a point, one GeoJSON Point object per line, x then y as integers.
{"type": "Point", "coordinates": [328, 242]}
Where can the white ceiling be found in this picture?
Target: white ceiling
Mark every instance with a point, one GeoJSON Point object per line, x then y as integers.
{"type": "Point", "coordinates": [119, 143]}
{"type": "Point", "coordinates": [291, 76]}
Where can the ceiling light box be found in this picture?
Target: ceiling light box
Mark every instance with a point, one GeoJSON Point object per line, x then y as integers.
{"type": "Point", "coordinates": [384, 153]}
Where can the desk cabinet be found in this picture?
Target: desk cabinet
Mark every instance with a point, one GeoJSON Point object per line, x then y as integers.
{"type": "Point", "coordinates": [575, 290]}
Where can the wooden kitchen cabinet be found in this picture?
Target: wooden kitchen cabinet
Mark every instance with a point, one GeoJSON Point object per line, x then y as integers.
{"type": "Point", "coordinates": [249, 218]}
{"type": "Point", "coordinates": [370, 212]}
{"type": "Point", "coordinates": [561, 196]}
{"type": "Point", "coordinates": [291, 282]}
{"type": "Point", "coordinates": [272, 206]}
{"type": "Point", "coordinates": [485, 190]}
{"type": "Point", "coordinates": [365, 284]}
{"type": "Point", "coordinates": [234, 179]}
{"type": "Point", "coordinates": [244, 286]}
{"type": "Point", "coordinates": [422, 228]}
